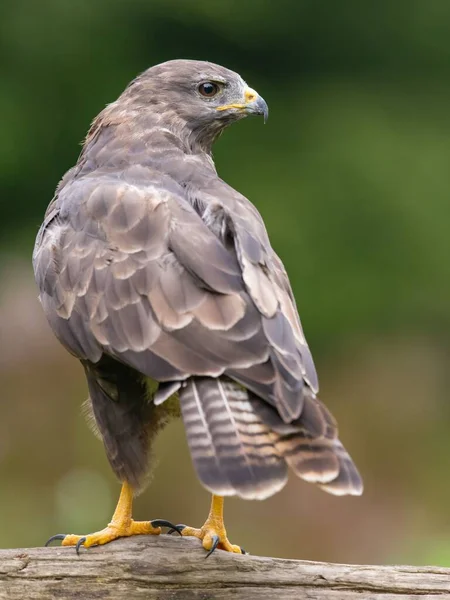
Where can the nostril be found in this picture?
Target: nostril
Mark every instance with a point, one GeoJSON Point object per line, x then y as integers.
{"type": "Point", "coordinates": [250, 96]}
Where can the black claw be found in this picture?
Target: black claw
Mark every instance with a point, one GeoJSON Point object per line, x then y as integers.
{"type": "Point", "coordinates": [178, 528]}
{"type": "Point", "coordinates": [164, 523]}
{"type": "Point", "coordinates": [215, 543]}
{"type": "Point", "coordinates": [79, 544]}
{"type": "Point", "coordinates": [243, 551]}
{"type": "Point", "coordinates": [58, 536]}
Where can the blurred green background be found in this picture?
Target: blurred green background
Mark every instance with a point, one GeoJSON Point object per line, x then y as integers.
{"type": "Point", "coordinates": [352, 176]}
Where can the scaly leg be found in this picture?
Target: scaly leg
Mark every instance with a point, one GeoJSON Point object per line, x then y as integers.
{"type": "Point", "coordinates": [122, 525]}
{"type": "Point", "coordinates": [213, 533]}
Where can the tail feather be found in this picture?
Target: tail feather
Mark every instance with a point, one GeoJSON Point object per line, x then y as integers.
{"type": "Point", "coordinates": [312, 459]}
{"type": "Point", "coordinates": [349, 480]}
{"type": "Point", "coordinates": [311, 447]}
{"type": "Point", "coordinates": [233, 450]}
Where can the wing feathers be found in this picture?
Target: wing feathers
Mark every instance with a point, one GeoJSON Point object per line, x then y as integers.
{"type": "Point", "coordinates": [133, 272]}
{"type": "Point", "coordinates": [202, 253]}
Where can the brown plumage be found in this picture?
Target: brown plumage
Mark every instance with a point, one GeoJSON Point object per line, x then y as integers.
{"type": "Point", "coordinates": [148, 264]}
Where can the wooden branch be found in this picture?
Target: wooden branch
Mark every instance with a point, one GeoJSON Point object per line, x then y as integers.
{"type": "Point", "coordinates": [163, 568]}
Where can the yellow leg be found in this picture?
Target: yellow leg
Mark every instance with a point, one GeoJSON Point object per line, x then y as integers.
{"type": "Point", "coordinates": [213, 533]}
{"type": "Point", "coordinates": [122, 525]}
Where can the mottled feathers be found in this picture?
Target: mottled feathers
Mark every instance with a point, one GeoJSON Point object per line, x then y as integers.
{"type": "Point", "coordinates": [149, 265]}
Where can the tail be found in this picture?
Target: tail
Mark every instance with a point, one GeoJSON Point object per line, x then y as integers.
{"type": "Point", "coordinates": [311, 447]}
{"type": "Point", "coordinates": [240, 445]}
{"type": "Point", "coordinates": [233, 450]}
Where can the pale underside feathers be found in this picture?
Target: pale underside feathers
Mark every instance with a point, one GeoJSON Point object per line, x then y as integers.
{"type": "Point", "coordinates": [149, 265]}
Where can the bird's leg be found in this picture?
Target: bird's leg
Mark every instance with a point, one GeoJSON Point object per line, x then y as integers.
{"type": "Point", "coordinates": [213, 533]}
{"type": "Point", "coordinates": [122, 525]}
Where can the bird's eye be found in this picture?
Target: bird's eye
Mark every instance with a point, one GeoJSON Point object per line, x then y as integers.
{"type": "Point", "coordinates": [208, 89]}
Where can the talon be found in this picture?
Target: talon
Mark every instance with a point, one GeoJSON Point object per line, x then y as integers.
{"type": "Point", "coordinates": [79, 544]}
{"type": "Point", "coordinates": [178, 528]}
{"type": "Point", "coordinates": [58, 536]}
{"type": "Point", "coordinates": [215, 543]}
{"type": "Point", "coordinates": [164, 523]}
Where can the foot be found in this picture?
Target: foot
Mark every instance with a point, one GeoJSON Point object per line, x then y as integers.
{"type": "Point", "coordinates": [122, 525]}
{"type": "Point", "coordinates": [213, 533]}
{"type": "Point", "coordinates": [112, 532]}
{"type": "Point", "coordinates": [211, 537]}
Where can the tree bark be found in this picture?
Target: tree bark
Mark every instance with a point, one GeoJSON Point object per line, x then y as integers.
{"type": "Point", "coordinates": [163, 568]}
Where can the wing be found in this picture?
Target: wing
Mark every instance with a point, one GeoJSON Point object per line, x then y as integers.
{"type": "Point", "coordinates": [133, 271]}
{"type": "Point", "coordinates": [290, 366]}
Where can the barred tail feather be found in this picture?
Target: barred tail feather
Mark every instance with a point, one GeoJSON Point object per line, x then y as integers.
{"type": "Point", "coordinates": [349, 480]}
{"type": "Point", "coordinates": [311, 447]}
{"type": "Point", "coordinates": [233, 450]}
{"type": "Point", "coordinates": [322, 461]}
{"type": "Point", "coordinates": [311, 459]}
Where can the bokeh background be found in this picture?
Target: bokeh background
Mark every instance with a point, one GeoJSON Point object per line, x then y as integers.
{"type": "Point", "coordinates": [352, 176]}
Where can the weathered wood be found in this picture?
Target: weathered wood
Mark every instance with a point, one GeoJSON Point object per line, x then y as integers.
{"type": "Point", "coordinates": [163, 568]}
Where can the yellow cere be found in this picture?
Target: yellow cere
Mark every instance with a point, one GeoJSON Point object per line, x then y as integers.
{"type": "Point", "coordinates": [249, 96]}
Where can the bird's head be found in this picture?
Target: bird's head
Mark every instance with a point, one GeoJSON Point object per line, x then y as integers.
{"type": "Point", "coordinates": [196, 99]}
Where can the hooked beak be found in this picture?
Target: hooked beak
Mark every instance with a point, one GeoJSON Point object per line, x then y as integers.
{"type": "Point", "coordinates": [253, 104]}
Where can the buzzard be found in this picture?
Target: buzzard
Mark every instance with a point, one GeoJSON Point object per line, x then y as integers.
{"type": "Point", "coordinates": [160, 278]}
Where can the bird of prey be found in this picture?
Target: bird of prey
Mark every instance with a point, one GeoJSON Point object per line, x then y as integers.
{"type": "Point", "coordinates": [161, 279]}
